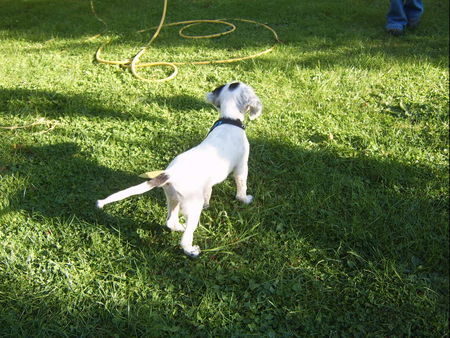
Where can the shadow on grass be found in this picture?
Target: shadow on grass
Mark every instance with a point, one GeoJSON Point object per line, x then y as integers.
{"type": "Point", "coordinates": [62, 182]}
{"type": "Point", "coordinates": [377, 200]}
{"type": "Point", "coordinates": [27, 103]}
{"type": "Point", "coordinates": [351, 215]}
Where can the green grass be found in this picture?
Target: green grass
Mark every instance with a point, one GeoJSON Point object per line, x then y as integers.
{"type": "Point", "coordinates": [348, 233]}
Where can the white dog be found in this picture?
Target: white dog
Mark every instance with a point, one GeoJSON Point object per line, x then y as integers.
{"type": "Point", "coordinates": [189, 178]}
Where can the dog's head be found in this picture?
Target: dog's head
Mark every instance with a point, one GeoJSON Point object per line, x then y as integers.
{"type": "Point", "coordinates": [241, 95]}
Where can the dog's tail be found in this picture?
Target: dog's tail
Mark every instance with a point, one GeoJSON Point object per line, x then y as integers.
{"type": "Point", "coordinates": [158, 181]}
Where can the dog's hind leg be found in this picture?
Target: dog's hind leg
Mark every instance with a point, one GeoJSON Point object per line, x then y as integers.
{"type": "Point", "coordinates": [173, 209]}
{"type": "Point", "coordinates": [192, 211]}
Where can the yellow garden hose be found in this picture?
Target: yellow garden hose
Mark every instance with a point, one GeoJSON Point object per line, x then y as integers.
{"type": "Point", "coordinates": [134, 64]}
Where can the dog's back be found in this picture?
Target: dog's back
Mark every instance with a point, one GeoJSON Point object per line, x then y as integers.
{"type": "Point", "coordinates": [210, 162]}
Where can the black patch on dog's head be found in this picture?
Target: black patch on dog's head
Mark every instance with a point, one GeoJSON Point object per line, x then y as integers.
{"type": "Point", "coordinates": [233, 86]}
{"type": "Point", "coordinates": [217, 91]}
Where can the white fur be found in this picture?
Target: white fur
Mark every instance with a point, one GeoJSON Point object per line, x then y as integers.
{"type": "Point", "coordinates": [192, 174]}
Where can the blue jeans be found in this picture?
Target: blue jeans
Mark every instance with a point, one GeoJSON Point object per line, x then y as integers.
{"type": "Point", "coordinates": [404, 12]}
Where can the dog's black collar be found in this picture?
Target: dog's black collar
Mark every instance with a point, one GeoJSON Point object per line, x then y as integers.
{"type": "Point", "coordinates": [237, 123]}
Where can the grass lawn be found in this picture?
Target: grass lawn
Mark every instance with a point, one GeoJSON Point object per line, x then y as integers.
{"type": "Point", "coordinates": [348, 232]}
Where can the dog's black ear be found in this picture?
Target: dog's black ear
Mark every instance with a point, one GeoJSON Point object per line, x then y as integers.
{"type": "Point", "coordinates": [248, 101]}
{"type": "Point", "coordinates": [217, 91]}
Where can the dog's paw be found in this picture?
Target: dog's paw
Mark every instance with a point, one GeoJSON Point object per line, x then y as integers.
{"type": "Point", "coordinates": [176, 226]}
{"type": "Point", "coordinates": [192, 251]}
{"type": "Point", "coordinates": [100, 204]}
{"type": "Point", "coordinates": [246, 199]}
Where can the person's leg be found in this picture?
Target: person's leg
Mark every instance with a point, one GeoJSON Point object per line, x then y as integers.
{"type": "Point", "coordinates": [414, 11]}
{"type": "Point", "coordinates": [396, 18]}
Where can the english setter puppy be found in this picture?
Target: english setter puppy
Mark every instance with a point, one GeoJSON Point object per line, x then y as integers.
{"type": "Point", "coordinates": [188, 179]}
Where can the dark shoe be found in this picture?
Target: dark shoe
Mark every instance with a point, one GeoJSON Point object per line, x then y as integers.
{"type": "Point", "coordinates": [413, 24]}
{"type": "Point", "coordinates": [395, 31]}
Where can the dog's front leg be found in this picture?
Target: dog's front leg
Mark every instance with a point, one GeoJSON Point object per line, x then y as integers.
{"type": "Point", "coordinates": [192, 213]}
{"type": "Point", "coordinates": [240, 177]}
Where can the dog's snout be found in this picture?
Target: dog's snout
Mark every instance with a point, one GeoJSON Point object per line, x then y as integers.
{"type": "Point", "coordinates": [209, 97]}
